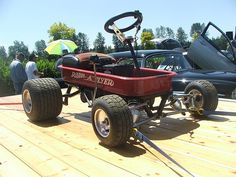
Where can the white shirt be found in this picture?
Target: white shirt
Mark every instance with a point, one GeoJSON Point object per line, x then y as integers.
{"type": "Point", "coordinates": [30, 68]}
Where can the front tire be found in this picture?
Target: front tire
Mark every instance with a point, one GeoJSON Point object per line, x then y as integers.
{"type": "Point", "coordinates": [205, 96]}
{"type": "Point", "coordinates": [112, 120]}
{"type": "Point", "coordinates": [42, 99]}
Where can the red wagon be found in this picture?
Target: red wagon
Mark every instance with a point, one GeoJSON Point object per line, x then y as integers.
{"type": "Point", "coordinates": [121, 96]}
{"type": "Point", "coordinates": [124, 80]}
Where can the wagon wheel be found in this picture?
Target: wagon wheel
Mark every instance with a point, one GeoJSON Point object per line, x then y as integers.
{"type": "Point", "coordinates": [205, 97]}
{"type": "Point", "coordinates": [42, 99]}
{"type": "Point", "coordinates": [112, 120]}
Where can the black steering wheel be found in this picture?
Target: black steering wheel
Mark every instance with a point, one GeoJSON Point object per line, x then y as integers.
{"type": "Point", "coordinates": [136, 14]}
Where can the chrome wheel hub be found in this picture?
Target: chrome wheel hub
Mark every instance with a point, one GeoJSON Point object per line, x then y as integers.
{"type": "Point", "coordinates": [102, 123]}
{"type": "Point", "coordinates": [197, 98]}
{"type": "Point", "coordinates": [27, 102]}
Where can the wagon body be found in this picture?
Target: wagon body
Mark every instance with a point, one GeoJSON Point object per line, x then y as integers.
{"type": "Point", "coordinates": [127, 80]}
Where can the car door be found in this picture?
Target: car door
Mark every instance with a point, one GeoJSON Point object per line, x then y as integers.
{"type": "Point", "coordinates": [208, 53]}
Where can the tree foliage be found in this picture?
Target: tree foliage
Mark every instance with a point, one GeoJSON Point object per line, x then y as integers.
{"type": "Point", "coordinates": [6, 86]}
{"type": "Point", "coordinates": [181, 36]}
{"type": "Point", "coordinates": [118, 45]}
{"type": "Point", "coordinates": [195, 36]}
{"type": "Point", "coordinates": [164, 32]}
{"type": "Point", "coordinates": [148, 30]}
{"type": "Point", "coordinates": [3, 53]}
{"type": "Point", "coordinates": [196, 28]}
{"type": "Point", "coordinates": [99, 43]}
{"type": "Point", "coordinates": [18, 47]}
{"type": "Point", "coordinates": [82, 42]}
{"type": "Point", "coordinates": [220, 42]}
{"type": "Point", "coordinates": [108, 49]}
{"type": "Point", "coordinates": [146, 42]}
{"type": "Point", "coordinates": [40, 46]}
{"type": "Point", "coordinates": [61, 31]}
{"type": "Point", "coordinates": [170, 33]}
{"type": "Point", "coordinates": [48, 68]}
{"type": "Point", "coordinates": [161, 32]}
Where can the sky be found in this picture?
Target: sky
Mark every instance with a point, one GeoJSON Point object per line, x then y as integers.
{"type": "Point", "coordinates": [30, 20]}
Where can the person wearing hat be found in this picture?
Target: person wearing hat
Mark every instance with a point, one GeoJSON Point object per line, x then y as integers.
{"type": "Point", "coordinates": [17, 72]}
{"type": "Point", "coordinates": [31, 68]}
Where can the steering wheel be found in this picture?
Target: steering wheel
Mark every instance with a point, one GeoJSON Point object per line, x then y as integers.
{"type": "Point", "coordinates": [136, 14]}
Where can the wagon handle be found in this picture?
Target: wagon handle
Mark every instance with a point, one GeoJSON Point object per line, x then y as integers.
{"type": "Point", "coordinates": [119, 32]}
{"type": "Point", "coordinates": [136, 14]}
{"type": "Point", "coordinates": [94, 59]}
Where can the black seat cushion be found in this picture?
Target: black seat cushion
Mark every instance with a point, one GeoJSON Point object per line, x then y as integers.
{"type": "Point", "coordinates": [70, 61]}
{"type": "Point", "coordinates": [119, 69]}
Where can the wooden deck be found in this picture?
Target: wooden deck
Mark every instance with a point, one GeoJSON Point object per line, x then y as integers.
{"type": "Point", "coordinates": [69, 147]}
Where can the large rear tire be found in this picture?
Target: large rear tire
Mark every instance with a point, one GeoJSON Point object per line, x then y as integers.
{"type": "Point", "coordinates": [112, 120]}
{"type": "Point", "coordinates": [205, 96]}
{"type": "Point", "coordinates": [42, 99]}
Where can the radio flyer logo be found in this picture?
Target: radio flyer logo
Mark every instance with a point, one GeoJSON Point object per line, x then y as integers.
{"type": "Point", "coordinates": [90, 78]}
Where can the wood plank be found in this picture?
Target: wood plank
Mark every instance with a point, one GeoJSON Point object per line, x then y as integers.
{"type": "Point", "coordinates": [80, 158]}
{"type": "Point", "coordinates": [41, 162]}
{"type": "Point", "coordinates": [190, 131]}
{"type": "Point", "coordinates": [10, 165]}
{"type": "Point", "coordinates": [62, 152]}
{"type": "Point", "coordinates": [171, 148]}
{"type": "Point", "coordinates": [229, 169]}
{"type": "Point", "coordinates": [204, 147]}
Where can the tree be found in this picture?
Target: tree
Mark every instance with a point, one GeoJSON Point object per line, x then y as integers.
{"type": "Point", "coordinates": [220, 42]}
{"type": "Point", "coordinates": [99, 43]}
{"type": "Point", "coordinates": [181, 36]}
{"type": "Point", "coordinates": [18, 47]}
{"type": "Point", "coordinates": [82, 42]}
{"type": "Point", "coordinates": [196, 28]}
{"type": "Point", "coordinates": [195, 36]}
{"type": "Point", "coordinates": [3, 54]}
{"type": "Point", "coordinates": [161, 32]}
{"type": "Point", "coordinates": [146, 42]}
{"type": "Point", "coordinates": [61, 31]}
{"type": "Point", "coordinates": [170, 33]}
{"type": "Point", "coordinates": [118, 45]}
{"type": "Point", "coordinates": [164, 32]}
{"type": "Point", "coordinates": [40, 46]}
{"type": "Point", "coordinates": [108, 49]}
{"type": "Point", "coordinates": [147, 30]}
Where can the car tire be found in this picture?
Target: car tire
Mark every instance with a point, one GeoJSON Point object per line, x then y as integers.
{"type": "Point", "coordinates": [112, 120]}
{"type": "Point", "coordinates": [205, 95]}
{"type": "Point", "coordinates": [42, 99]}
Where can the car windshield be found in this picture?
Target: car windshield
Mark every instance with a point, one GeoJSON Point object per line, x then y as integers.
{"type": "Point", "coordinates": [172, 62]}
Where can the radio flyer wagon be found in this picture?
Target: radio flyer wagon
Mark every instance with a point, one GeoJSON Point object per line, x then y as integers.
{"type": "Point", "coordinates": [121, 96]}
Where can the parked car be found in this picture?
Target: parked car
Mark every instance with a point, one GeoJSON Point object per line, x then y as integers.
{"type": "Point", "coordinates": [166, 43]}
{"type": "Point", "coordinates": [213, 49]}
{"type": "Point", "coordinates": [224, 81]}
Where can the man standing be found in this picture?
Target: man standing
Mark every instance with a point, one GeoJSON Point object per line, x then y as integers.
{"type": "Point", "coordinates": [18, 75]}
{"type": "Point", "coordinates": [31, 68]}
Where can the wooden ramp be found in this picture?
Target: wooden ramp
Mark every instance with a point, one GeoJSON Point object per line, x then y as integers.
{"type": "Point", "coordinates": [68, 146]}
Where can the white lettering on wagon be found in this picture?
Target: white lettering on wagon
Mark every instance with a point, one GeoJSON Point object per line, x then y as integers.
{"type": "Point", "coordinates": [77, 75]}
{"type": "Point", "coordinates": [100, 80]}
